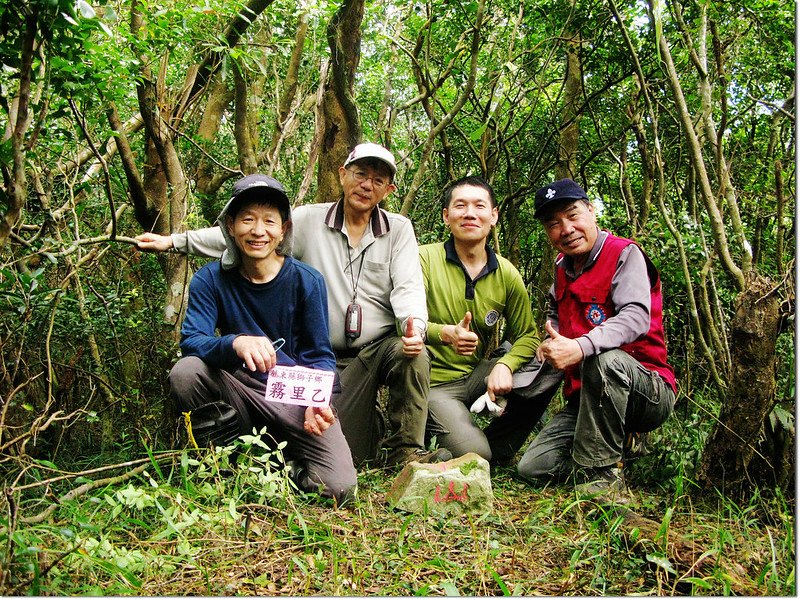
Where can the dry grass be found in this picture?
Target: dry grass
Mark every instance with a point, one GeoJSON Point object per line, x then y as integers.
{"type": "Point", "coordinates": [536, 542]}
{"type": "Point", "coordinates": [213, 535]}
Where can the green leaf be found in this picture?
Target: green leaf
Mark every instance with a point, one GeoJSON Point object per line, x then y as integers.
{"type": "Point", "coordinates": [476, 134]}
{"type": "Point", "coordinates": [450, 590]}
{"type": "Point", "coordinates": [86, 10]}
{"type": "Point", "coordinates": [698, 582]}
{"type": "Point", "coordinates": [69, 19]}
{"type": "Point", "coordinates": [662, 562]}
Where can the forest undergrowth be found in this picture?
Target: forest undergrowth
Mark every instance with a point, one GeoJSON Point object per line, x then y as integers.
{"type": "Point", "coordinates": [228, 523]}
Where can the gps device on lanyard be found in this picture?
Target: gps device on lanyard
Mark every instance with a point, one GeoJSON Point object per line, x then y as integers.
{"type": "Point", "coordinates": [352, 315]}
{"type": "Point", "coordinates": [352, 321]}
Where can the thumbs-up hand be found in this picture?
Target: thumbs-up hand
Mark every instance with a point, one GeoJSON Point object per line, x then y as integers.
{"type": "Point", "coordinates": [413, 343]}
{"type": "Point", "coordinates": [460, 337]}
{"type": "Point", "coordinates": [560, 351]}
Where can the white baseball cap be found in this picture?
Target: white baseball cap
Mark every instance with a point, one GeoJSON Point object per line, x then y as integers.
{"type": "Point", "coordinates": [371, 150]}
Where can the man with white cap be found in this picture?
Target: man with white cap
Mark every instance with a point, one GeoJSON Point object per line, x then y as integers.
{"type": "Point", "coordinates": [376, 304]}
{"type": "Point", "coordinates": [248, 312]}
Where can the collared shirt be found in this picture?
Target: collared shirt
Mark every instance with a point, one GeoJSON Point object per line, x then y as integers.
{"type": "Point", "coordinates": [630, 293]}
{"type": "Point", "coordinates": [497, 291]}
{"type": "Point", "coordinates": [384, 267]}
{"type": "Point", "coordinates": [469, 283]}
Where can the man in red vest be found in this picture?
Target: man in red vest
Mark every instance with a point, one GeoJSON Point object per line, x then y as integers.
{"type": "Point", "coordinates": [605, 332]}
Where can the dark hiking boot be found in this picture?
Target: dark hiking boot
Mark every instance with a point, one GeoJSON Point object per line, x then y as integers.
{"type": "Point", "coordinates": [604, 484]}
{"type": "Point", "coordinates": [420, 456]}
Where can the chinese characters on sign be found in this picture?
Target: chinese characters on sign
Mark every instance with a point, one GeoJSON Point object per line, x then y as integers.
{"type": "Point", "coordinates": [300, 386]}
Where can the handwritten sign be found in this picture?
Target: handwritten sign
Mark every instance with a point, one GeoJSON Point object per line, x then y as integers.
{"type": "Point", "coordinates": [299, 386]}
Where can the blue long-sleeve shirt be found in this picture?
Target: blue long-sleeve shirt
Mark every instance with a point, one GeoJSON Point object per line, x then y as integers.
{"type": "Point", "coordinates": [294, 306]}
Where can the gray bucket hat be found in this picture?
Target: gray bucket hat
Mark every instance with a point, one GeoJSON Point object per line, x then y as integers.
{"type": "Point", "coordinates": [256, 186]}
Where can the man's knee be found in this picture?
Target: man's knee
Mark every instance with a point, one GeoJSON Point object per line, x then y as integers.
{"type": "Point", "coordinates": [535, 465]}
{"type": "Point", "coordinates": [482, 448]}
{"type": "Point", "coordinates": [549, 456]}
{"type": "Point", "coordinates": [184, 378]}
{"type": "Point", "coordinates": [600, 365]}
{"type": "Point", "coordinates": [214, 420]}
{"type": "Point", "coordinates": [339, 484]}
{"type": "Point", "coordinates": [421, 363]}
{"type": "Point", "coordinates": [466, 441]}
{"type": "Point", "coordinates": [343, 487]}
{"type": "Point", "coordinates": [476, 443]}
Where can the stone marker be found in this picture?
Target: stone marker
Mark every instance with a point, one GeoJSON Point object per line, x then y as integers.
{"type": "Point", "coordinates": [459, 486]}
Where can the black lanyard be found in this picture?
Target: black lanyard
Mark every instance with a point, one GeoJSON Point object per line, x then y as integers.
{"type": "Point", "coordinates": [354, 281]}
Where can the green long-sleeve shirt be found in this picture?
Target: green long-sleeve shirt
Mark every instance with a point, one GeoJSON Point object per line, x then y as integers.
{"type": "Point", "coordinates": [497, 292]}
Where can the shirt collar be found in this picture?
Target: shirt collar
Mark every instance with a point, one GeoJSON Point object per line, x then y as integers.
{"type": "Point", "coordinates": [469, 284]}
{"type": "Point", "coordinates": [378, 220]}
{"type": "Point", "coordinates": [452, 256]}
{"type": "Point", "coordinates": [568, 264]}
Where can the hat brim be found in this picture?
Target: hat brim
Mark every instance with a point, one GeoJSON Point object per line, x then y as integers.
{"type": "Point", "coordinates": [549, 205]}
{"type": "Point", "coordinates": [263, 194]}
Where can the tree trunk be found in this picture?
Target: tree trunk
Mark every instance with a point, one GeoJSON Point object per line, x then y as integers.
{"type": "Point", "coordinates": [751, 390]}
{"type": "Point", "coordinates": [209, 176]}
{"type": "Point", "coordinates": [245, 142]}
{"type": "Point", "coordinates": [288, 94]}
{"type": "Point", "coordinates": [570, 114]}
{"type": "Point", "coordinates": [16, 193]}
{"type": "Point", "coordinates": [342, 128]}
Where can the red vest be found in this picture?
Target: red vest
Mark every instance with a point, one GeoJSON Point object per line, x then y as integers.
{"type": "Point", "coordinates": [586, 302]}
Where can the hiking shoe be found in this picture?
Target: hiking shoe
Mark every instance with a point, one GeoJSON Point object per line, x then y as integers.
{"type": "Point", "coordinates": [636, 445]}
{"type": "Point", "coordinates": [604, 484]}
{"type": "Point", "coordinates": [296, 471]}
{"type": "Point", "coordinates": [421, 456]}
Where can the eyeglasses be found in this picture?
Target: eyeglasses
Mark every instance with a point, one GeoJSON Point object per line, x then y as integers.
{"type": "Point", "coordinates": [377, 182]}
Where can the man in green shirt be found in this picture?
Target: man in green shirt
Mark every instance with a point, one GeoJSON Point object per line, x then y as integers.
{"type": "Point", "coordinates": [469, 289]}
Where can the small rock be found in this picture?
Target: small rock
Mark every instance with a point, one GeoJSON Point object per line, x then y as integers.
{"type": "Point", "coordinates": [459, 486]}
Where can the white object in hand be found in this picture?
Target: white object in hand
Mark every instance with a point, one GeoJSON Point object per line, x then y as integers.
{"type": "Point", "coordinates": [483, 402]}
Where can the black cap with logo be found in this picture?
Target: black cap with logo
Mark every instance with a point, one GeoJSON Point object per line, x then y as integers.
{"type": "Point", "coordinates": [559, 191]}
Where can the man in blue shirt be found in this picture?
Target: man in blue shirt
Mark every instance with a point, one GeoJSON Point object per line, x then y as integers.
{"type": "Point", "coordinates": [252, 297]}
{"type": "Point", "coordinates": [377, 313]}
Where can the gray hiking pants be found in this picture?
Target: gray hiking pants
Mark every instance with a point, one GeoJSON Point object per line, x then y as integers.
{"type": "Point", "coordinates": [326, 458]}
{"type": "Point", "coordinates": [453, 425]}
{"type": "Point", "coordinates": [618, 395]}
{"type": "Point", "coordinates": [362, 375]}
